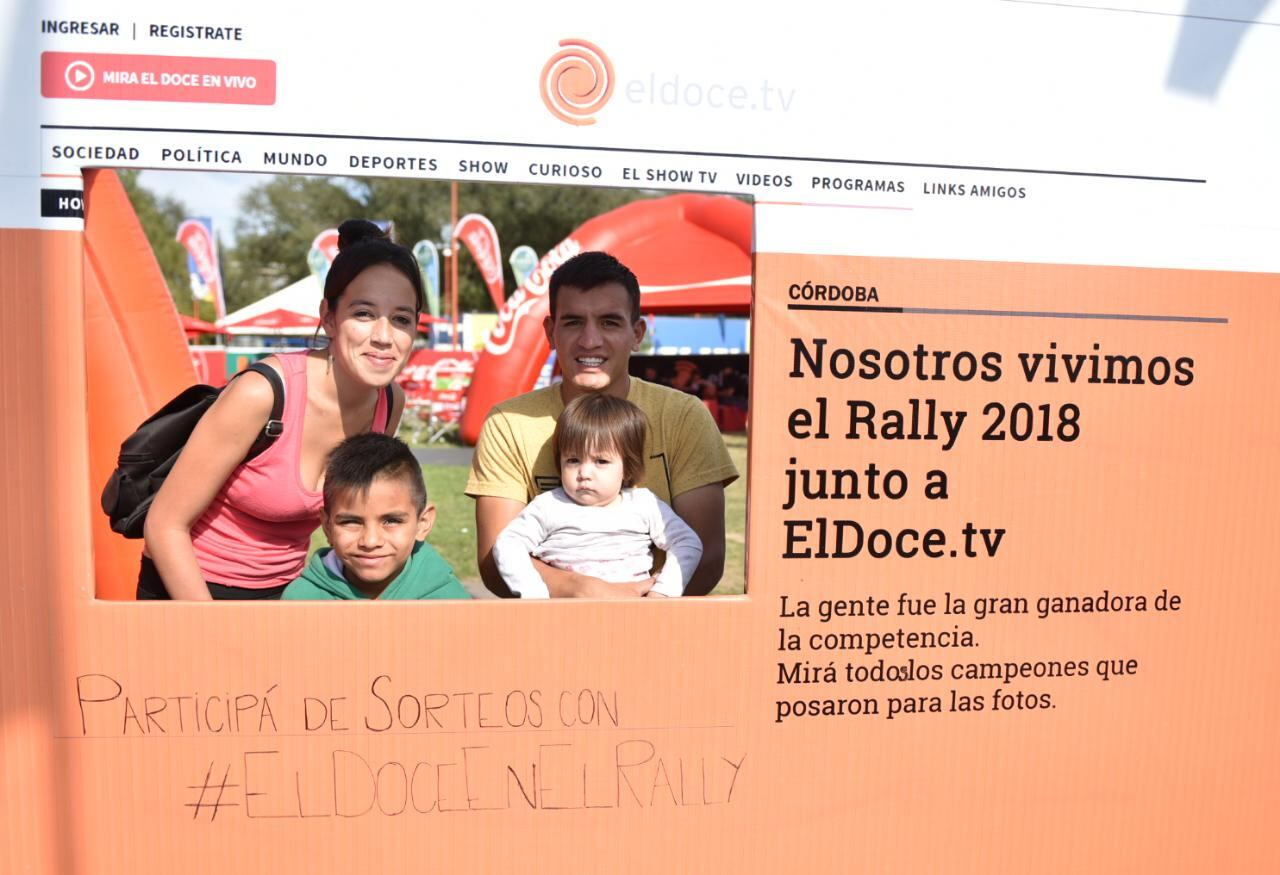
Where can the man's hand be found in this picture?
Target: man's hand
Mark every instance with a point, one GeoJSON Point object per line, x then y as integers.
{"type": "Point", "coordinates": [702, 509]}
{"type": "Point", "coordinates": [568, 584]}
{"type": "Point", "coordinates": [492, 516]}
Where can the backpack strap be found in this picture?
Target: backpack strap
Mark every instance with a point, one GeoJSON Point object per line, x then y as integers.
{"type": "Point", "coordinates": [391, 403]}
{"type": "Point", "coordinates": [275, 424]}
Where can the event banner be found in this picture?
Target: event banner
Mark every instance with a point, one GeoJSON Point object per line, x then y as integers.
{"type": "Point", "coordinates": [1009, 469]}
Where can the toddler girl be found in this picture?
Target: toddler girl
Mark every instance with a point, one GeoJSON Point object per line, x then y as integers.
{"type": "Point", "coordinates": [598, 523]}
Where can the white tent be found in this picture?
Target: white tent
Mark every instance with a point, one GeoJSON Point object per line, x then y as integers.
{"type": "Point", "coordinates": [292, 311]}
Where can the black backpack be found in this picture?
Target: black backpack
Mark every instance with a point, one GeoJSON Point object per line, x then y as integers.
{"type": "Point", "coordinates": [147, 455]}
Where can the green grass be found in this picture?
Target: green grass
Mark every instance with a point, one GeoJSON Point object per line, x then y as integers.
{"type": "Point", "coordinates": [454, 534]}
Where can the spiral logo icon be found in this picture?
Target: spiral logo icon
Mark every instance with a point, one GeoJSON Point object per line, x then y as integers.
{"type": "Point", "coordinates": [577, 82]}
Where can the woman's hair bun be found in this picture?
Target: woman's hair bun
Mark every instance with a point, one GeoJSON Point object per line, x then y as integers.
{"type": "Point", "coordinates": [354, 231]}
{"type": "Point", "coordinates": [361, 245]}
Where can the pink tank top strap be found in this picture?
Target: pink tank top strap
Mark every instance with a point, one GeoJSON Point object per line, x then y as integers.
{"type": "Point", "coordinates": [294, 367]}
{"type": "Point", "coordinates": [382, 412]}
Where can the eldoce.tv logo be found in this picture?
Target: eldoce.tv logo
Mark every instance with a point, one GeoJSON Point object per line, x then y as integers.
{"type": "Point", "coordinates": [577, 82]}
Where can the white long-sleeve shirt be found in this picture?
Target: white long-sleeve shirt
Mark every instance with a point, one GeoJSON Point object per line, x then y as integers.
{"type": "Point", "coordinates": [611, 543]}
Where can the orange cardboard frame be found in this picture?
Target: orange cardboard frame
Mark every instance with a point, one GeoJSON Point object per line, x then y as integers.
{"type": "Point", "coordinates": [401, 735]}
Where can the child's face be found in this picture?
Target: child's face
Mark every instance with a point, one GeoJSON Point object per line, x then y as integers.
{"type": "Point", "coordinates": [592, 478]}
{"type": "Point", "coordinates": [374, 534]}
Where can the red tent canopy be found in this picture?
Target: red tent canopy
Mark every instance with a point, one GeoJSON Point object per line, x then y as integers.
{"type": "Point", "coordinates": [282, 319]}
{"type": "Point", "coordinates": [191, 326]}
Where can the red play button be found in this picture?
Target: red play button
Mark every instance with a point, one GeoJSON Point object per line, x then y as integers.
{"type": "Point", "coordinates": [79, 76]}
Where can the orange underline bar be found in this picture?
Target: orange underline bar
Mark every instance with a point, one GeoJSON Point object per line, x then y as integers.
{"type": "Point", "coordinates": [841, 206]}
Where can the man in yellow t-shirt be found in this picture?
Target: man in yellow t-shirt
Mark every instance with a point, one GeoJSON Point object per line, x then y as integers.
{"type": "Point", "coordinates": [594, 326]}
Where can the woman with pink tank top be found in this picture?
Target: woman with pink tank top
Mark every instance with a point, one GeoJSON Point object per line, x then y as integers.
{"type": "Point", "coordinates": [224, 528]}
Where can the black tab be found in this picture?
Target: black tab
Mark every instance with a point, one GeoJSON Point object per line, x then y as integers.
{"type": "Point", "coordinates": [66, 203]}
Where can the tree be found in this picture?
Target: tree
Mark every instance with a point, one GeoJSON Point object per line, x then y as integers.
{"type": "Point", "coordinates": [279, 220]}
{"type": "Point", "coordinates": [283, 215]}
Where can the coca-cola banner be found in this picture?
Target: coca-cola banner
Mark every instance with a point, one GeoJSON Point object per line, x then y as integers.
{"type": "Point", "coordinates": [202, 260]}
{"type": "Point", "coordinates": [481, 239]}
{"type": "Point", "coordinates": [436, 381]}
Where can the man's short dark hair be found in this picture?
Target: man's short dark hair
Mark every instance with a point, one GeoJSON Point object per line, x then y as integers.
{"type": "Point", "coordinates": [589, 270]}
{"type": "Point", "coordinates": [361, 459]}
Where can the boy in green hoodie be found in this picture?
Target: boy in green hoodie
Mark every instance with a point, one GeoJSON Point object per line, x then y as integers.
{"type": "Point", "coordinates": [376, 515]}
